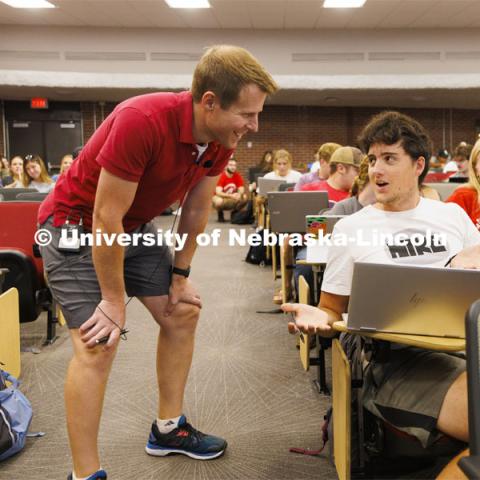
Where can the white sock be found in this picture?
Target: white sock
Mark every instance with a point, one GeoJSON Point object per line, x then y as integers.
{"type": "Point", "coordinates": [167, 425]}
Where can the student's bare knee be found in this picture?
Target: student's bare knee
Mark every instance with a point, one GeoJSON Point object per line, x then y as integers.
{"type": "Point", "coordinates": [453, 417]}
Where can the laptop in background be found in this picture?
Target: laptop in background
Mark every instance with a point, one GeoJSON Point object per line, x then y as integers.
{"type": "Point", "coordinates": [266, 185]}
{"type": "Point", "coordinates": [314, 223]}
{"type": "Point", "coordinates": [411, 299]}
{"type": "Point", "coordinates": [288, 209]}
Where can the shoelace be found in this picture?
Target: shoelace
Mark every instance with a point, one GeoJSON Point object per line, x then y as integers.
{"type": "Point", "coordinates": [196, 434]}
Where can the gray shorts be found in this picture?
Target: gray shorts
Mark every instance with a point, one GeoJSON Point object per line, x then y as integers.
{"type": "Point", "coordinates": [73, 280]}
{"type": "Point", "coordinates": [408, 390]}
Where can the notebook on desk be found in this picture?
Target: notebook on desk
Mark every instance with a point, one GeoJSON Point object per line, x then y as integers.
{"type": "Point", "coordinates": [288, 209]}
{"type": "Point", "coordinates": [411, 299]}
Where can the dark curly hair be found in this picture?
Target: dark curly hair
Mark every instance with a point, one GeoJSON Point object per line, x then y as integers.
{"type": "Point", "coordinates": [392, 127]}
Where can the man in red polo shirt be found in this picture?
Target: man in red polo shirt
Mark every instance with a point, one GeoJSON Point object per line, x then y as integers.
{"type": "Point", "coordinates": [150, 152]}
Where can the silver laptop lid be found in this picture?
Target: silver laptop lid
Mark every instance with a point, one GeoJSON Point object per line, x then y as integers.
{"type": "Point", "coordinates": [411, 299]}
{"type": "Point", "coordinates": [288, 209]}
{"type": "Point", "coordinates": [266, 185]}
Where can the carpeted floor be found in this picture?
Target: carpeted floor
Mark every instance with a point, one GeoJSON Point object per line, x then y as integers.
{"type": "Point", "coordinates": [246, 384]}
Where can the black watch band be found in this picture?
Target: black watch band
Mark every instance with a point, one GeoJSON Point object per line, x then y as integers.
{"type": "Point", "coordinates": [184, 272]}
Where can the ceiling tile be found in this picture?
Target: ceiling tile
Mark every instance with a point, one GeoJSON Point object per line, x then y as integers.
{"type": "Point", "coordinates": [267, 14]}
{"type": "Point", "coordinates": [440, 13]}
{"type": "Point", "coordinates": [231, 13]}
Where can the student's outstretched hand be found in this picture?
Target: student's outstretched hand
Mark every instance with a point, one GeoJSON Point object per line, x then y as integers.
{"type": "Point", "coordinates": [308, 319]}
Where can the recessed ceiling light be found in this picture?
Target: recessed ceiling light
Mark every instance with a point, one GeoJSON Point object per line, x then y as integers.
{"type": "Point", "coordinates": [343, 3]}
{"type": "Point", "coordinates": [28, 3]}
{"type": "Point", "coordinates": [188, 3]}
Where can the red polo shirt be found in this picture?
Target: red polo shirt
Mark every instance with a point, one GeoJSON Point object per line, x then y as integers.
{"type": "Point", "coordinates": [148, 140]}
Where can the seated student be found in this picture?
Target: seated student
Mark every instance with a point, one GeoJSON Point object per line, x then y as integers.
{"type": "Point", "coordinates": [35, 174]}
{"type": "Point", "coordinates": [282, 168]}
{"type": "Point", "coordinates": [468, 196]}
{"type": "Point", "coordinates": [265, 166]}
{"type": "Point", "coordinates": [16, 174]}
{"type": "Point", "coordinates": [344, 165]}
{"type": "Point", "coordinates": [322, 172]}
{"type": "Point", "coordinates": [230, 190]}
{"type": "Point", "coordinates": [437, 164]}
{"type": "Point", "coordinates": [65, 163]}
{"type": "Point", "coordinates": [459, 164]}
{"type": "Point", "coordinates": [4, 168]}
{"type": "Point", "coordinates": [420, 392]}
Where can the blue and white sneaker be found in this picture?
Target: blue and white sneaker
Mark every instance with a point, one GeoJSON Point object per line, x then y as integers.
{"type": "Point", "coordinates": [100, 475]}
{"type": "Point", "coordinates": [185, 440]}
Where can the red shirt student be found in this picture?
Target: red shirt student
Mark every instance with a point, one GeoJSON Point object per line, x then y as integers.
{"type": "Point", "coordinates": [344, 167]}
{"type": "Point", "coordinates": [230, 183]}
{"type": "Point", "coordinates": [468, 197]}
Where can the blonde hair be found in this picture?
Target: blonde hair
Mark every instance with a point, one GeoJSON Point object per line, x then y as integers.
{"type": "Point", "coordinates": [68, 156]}
{"type": "Point", "coordinates": [361, 179]}
{"type": "Point", "coordinates": [16, 178]}
{"type": "Point", "coordinates": [473, 177]}
{"type": "Point", "coordinates": [225, 70]}
{"type": "Point", "coordinates": [44, 177]}
{"type": "Point", "coordinates": [326, 150]}
{"type": "Point", "coordinates": [282, 154]}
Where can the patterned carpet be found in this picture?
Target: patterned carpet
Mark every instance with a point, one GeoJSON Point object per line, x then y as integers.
{"type": "Point", "coordinates": [246, 384]}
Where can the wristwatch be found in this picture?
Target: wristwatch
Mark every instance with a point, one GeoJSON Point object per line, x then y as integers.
{"type": "Point", "coordinates": [184, 272]}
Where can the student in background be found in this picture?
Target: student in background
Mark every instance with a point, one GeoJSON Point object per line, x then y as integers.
{"type": "Point", "coordinates": [35, 174]}
{"type": "Point", "coordinates": [266, 163]}
{"type": "Point", "coordinates": [344, 167]}
{"type": "Point", "coordinates": [438, 163]}
{"type": "Point", "coordinates": [282, 167]}
{"type": "Point", "coordinates": [65, 163]}
{"type": "Point", "coordinates": [230, 191]}
{"type": "Point", "coordinates": [16, 173]}
{"type": "Point", "coordinates": [4, 168]}
{"type": "Point", "coordinates": [468, 196]}
{"type": "Point", "coordinates": [459, 164]}
{"type": "Point", "coordinates": [321, 168]}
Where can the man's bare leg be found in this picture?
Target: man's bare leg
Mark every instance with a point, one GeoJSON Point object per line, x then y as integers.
{"type": "Point", "coordinates": [85, 384]}
{"type": "Point", "coordinates": [174, 352]}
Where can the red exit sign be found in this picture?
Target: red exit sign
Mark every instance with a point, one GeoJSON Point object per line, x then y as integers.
{"type": "Point", "coordinates": [39, 102]}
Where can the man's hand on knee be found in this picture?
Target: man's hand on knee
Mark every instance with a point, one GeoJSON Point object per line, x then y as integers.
{"type": "Point", "coordinates": [181, 290]}
{"type": "Point", "coordinates": [106, 322]}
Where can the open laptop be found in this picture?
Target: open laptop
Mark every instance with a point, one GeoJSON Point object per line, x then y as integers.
{"type": "Point", "coordinates": [266, 185]}
{"type": "Point", "coordinates": [288, 209]}
{"type": "Point", "coordinates": [318, 253]}
{"type": "Point", "coordinates": [411, 299]}
{"type": "Point", "coordinates": [314, 223]}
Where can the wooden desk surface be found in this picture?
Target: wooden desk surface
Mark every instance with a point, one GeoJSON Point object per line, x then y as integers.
{"type": "Point", "coordinates": [421, 341]}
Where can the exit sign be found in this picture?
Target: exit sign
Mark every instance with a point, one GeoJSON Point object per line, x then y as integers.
{"type": "Point", "coordinates": [39, 102]}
